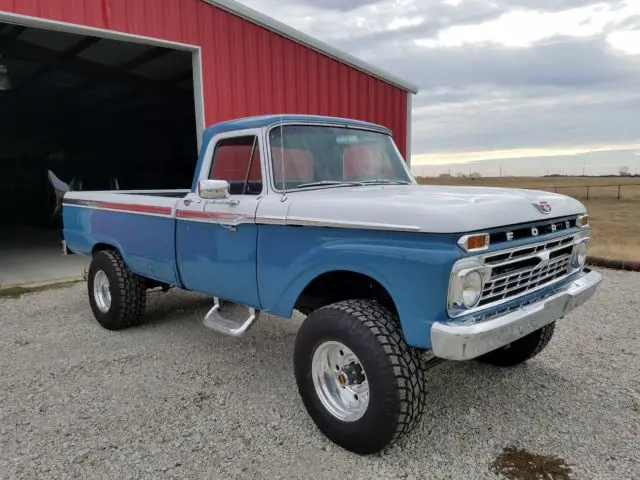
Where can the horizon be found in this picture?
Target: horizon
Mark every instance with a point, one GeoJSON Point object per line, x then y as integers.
{"type": "Point", "coordinates": [578, 162]}
{"type": "Point", "coordinates": [586, 163]}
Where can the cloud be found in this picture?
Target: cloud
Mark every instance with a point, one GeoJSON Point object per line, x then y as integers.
{"type": "Point", "coordinates": [341, 5]}
{"type": "Point", "coordinates": [569, 92]}
{"type": "Point", "coordinates": [496, 75]}
{"type": "Point", "coordinates": [559, 62]}
{"type": "Point", "coordinates": [565, 92]}
{"type": "Point", "coordinates": [447, 158]}
{"type": "Point", "coordinates": [632, 22]}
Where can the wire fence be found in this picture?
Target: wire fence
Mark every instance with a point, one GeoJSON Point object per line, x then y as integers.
{"type": "Point", "coordinates": [621, 192]}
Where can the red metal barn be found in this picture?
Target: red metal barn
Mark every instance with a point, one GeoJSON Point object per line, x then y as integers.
{"type": "Point", "coordinates": [114, 94]}
{"type": "Point", "coordinates": [244, 63]}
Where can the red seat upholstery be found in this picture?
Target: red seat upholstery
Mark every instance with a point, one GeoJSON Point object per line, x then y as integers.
{"type": "Point", "coordinates": [298, 164]}
{"type": "Point", "coordinates": [230, 163]}
{"type": "Point", "coordinates": [361, 161]}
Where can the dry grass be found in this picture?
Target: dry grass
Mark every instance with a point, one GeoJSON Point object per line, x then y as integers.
{"type": "Point", "coordinates": [606, 188]}
{"type": "Point", "coordinates": [615, 229]}
{"type": "Point", "coordinates": [615, 224]}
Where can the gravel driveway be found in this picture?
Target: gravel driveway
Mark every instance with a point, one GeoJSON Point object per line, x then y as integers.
{"type": "Point", "coordinates": [172, 399]}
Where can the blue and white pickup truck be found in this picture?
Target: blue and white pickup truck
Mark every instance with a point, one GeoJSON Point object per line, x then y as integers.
{"type": "Point", "coordinates": [321, 215]}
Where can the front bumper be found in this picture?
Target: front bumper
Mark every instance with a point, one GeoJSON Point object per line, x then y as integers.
{"type": "Point", "coordinates": [463, 341]}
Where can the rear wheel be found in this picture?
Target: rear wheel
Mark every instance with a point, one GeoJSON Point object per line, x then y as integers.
{"type": "Point", "coordinates": [117, 296]}
{"type": "Point", "coordinates": [359, 381]}
{"type": "Point", "coordinates": [521, 350]}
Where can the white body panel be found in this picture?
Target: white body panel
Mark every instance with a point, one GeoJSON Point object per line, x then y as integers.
{"type": "Point", "coordinates": [423, 208]}
{"type": "Point", "coordinates": [410, 208]}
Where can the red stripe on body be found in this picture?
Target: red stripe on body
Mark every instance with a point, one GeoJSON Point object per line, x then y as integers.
{"type": "Point", "coordinates": [133, 207]}
{"type": "Point", "coordinates": [206, 215]}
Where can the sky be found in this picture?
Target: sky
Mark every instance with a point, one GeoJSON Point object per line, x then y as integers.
{"type": "Point", "coordinates": [518, 87]}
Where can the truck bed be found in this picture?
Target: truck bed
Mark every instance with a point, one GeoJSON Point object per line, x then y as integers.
{"type": "Point", "coordinates": [140, 223]}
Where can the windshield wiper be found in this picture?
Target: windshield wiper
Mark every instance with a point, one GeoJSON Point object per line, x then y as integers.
{"type": "Point", "coordinates": [328, 182]}
{"type": "Point", "coordinates": [353, 183]}
{"type": "Point", "coordinates": [384, 180]}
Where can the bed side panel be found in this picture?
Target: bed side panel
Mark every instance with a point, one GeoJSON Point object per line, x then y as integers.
{"type": "Point", "coordinates": [141, 228]}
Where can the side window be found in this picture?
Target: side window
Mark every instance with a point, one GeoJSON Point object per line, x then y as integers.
{"type": "Point", "coordinates": [237, 160]}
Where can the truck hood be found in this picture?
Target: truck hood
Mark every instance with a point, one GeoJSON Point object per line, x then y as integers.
{"type": "Point", "coordinates": [425, 208]}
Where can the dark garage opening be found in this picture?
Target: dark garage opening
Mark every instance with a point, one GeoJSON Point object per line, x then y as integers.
{"type": "Point", "coordinates": [83, 113]}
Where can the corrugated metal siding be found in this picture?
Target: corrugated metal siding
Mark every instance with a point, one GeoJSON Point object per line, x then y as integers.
{"type": "Point", "coordinates": [247, 69]}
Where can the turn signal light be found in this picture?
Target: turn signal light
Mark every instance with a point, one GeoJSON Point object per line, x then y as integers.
{"type": "Point", "coordinates": [582, 221]}
{"type": "Point", "coordinates": [475, 242]}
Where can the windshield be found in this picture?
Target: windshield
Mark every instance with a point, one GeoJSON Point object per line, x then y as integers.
{"type": "Point", "coordinates": [309, 155]}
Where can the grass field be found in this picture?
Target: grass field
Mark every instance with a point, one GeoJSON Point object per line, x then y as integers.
{"type": "Point", "coordinates": [615, 223]}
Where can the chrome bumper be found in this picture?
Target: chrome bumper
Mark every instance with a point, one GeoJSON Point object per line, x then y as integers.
{"type": "Point", "coordinates": [464, 341]}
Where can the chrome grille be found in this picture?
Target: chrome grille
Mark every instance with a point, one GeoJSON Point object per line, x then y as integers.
{"type": "Point", "coordinates": [518, 271]}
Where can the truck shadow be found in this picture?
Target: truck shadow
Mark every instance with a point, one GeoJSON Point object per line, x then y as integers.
{"type": "Point", "coordinates": [179, 306]}
{"type": "Point", "coordinates": [168, 307]}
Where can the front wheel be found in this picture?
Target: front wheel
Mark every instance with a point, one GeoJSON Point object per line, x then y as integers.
{"type": "Point", "coordinates": [521, 350]}
{"type": "Point", "coordinates": [359, 381]}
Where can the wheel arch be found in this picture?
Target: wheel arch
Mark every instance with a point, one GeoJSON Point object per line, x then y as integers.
{"type": "Point", "coordinates": [335, 285]}
{"type": "Point", "coordinates": [103, 246]}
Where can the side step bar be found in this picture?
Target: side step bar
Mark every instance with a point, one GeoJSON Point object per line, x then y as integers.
{"type": "Point", "coordinates": [215, 321]}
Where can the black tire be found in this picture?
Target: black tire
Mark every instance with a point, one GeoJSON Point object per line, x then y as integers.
{"type": "Point", "coordinates": [393, 371]}
{"type": "Point", "coordinates": [128, 291]}
{"type": "Point", "coordinates": [521, 350]}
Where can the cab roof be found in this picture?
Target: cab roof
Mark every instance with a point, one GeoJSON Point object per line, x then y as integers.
{"type": "Point", "coordinates": [262, 121]}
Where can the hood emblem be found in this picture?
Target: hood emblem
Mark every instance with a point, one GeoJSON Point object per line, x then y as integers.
{"type": "Point", "coordinates": [543, 206]}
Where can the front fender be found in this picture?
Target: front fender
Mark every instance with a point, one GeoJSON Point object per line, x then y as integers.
{"type": "Point", "coordinates": [413, 268]}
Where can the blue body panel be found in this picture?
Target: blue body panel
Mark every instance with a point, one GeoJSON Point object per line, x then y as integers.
{"type": "Point", "coordinates": [414, 268]}
{"type": "Point", "coordinates": [269, 266]}
{"type": "Point", "coordinates": [146, 242]}
{"type": "Point", "coordinates": [262, 121]}
{"type": "Point", "coordinates": [213, 260]}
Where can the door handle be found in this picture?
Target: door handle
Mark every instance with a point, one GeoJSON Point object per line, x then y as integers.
{"type": "Point", "coordinates": [225, 201]}
{"type": "Point", "coordinates": [231, 228]}
{"type": "Point", "coordinates": [189, 201]}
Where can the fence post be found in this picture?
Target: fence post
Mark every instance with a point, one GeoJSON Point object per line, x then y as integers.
{"type": "Point", "coordinates": [619, 191]}
{"type": "Point", "coordinates": [555, 189]}
{"type": "Point", "coordinates": [587, 192]}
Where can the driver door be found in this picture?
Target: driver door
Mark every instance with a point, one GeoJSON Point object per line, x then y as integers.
{"type": "Point", "coordinates": [216, 239]}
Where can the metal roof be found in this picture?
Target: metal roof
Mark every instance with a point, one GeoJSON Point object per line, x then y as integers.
{"type": "Point", "coordinates": [278, 27]}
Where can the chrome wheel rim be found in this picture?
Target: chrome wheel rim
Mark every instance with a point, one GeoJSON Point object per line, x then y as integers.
{"type": "Point", "coordinates": [102, 291]}
{"type": "Point", "coordinates": [340, 381]}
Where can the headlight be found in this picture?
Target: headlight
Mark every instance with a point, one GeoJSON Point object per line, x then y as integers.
{"type": "Point", "coordinates": [471, 289]}
{"type": "Point", "coordinates": [582, 221]}
{"type": "Point", "coordinates": [580, 254]}
{"type": "Point", "coordinates": [468, 277]}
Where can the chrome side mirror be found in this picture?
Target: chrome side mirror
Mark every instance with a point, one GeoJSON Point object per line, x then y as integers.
{"type": "Point", "coordinates": [213, 189]}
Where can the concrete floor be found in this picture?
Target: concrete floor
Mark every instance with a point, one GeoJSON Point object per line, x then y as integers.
{"type": "Point", "coordinates": [34, 256]}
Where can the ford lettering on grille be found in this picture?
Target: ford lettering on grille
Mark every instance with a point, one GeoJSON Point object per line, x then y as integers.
{"type": "Point", "coordinates": [521, 232]}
